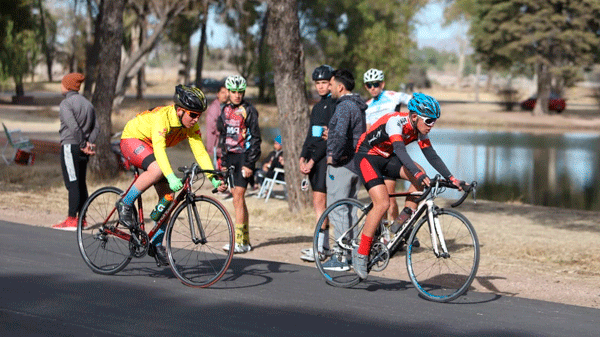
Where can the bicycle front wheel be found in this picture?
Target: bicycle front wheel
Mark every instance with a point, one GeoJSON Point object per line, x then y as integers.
{"type": "Point", "coordinates": [100, 245]}
{"type": "Point", "coordinates": [443, 277]}
{"type": "Point", "coordinates": [333, 261]}
{"type": "Point", "coordinates": [196, 234]}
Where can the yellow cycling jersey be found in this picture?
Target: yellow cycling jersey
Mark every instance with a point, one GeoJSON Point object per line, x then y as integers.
{"type": "Point", "coordinates": [161, 128]}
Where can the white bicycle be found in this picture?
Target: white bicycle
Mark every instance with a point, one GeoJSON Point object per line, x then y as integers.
{"type": "Point", "coordinates": [442, 249]}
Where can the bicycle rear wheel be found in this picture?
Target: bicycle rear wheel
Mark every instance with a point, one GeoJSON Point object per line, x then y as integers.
{"type": "Point", "coordinates": [443, 278]}
{"type": "Point", "coordinates": [102, 250]}
{"type": "Point", "coordinates": [195, 261]}
{"type": "Point", "coordinates": [334, 262]}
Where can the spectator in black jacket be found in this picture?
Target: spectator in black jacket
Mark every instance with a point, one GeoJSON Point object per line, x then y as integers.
{"type": "Point", "coordinates": [313, 159]}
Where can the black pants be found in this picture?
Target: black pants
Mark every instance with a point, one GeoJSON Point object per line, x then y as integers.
{"type": "Point", "coordinates": [74, 165]}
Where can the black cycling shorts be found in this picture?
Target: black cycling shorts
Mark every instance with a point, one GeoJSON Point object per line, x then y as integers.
{"type": "Point", "coordinates": [237, 161]}
{"type": "Point", "coordinates": [374, 169]}
{"type": "Point", "coordinates": [317, 176]}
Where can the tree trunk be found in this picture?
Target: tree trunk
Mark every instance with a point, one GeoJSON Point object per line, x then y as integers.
{"type": "Point", "coordinates": [543, 89]}
{"type": "Point", "coordinates": [19, 89]}
{"type": "Point", "coordinates": [141, 74]}
{"type": "Point", "coordinates": [104, 163]}
{"type": "Point", "coordinates": [92, 50]}
{"type": "Point", "coordinates": [288, 64]}
{"type": "Point", "coordinates": [47, 50]}
{"type": "Point", "coordinates": [200, 56]}
{"type": "Point", "coordinates": [461, 62]}
{"type": "Point", "coordinates": [186, 61]}
{"type": "Point", "coordinates": [477, 76]}
{"type": "Point", "coordinates": [141, 83]}
{"type": "Point", "coordinates": [262, 58]}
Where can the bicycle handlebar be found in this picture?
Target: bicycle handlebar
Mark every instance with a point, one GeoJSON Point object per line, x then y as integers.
{"type": "Point", "coordinates": [438, 181]}
{"type": "Point", "coordinates": [467, 188]}
{"type": "Point", "coordinates": [195, 169]}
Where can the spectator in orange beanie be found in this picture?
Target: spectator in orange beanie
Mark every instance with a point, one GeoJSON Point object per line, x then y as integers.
{"type": "Point", "coordinates": [78, 131]}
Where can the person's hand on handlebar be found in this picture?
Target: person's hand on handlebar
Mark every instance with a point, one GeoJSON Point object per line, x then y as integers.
{"type": "Point", "coordinates": [222, 187]}
{"type": "Point", "coordinates": [423, 179]}
{"type": "Point", "coordinates": [219, 184]}
{"type": "Point", "coordinates": [458, 183]}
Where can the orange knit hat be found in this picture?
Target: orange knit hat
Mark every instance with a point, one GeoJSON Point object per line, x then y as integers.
{"type": "Point", "coordinates": [73, 81]}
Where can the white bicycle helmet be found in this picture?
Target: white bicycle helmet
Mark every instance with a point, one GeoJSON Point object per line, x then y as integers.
{"type": "Point", "coordinates": [235, 83]}
{"type": "Point", "coordinates": [373, 75]}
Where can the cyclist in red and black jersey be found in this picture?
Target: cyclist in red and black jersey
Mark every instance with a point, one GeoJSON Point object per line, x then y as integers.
{"type": "Point", "coordinates": [381, 151]}
{"type": "Point", "coordinates": [240, 141]}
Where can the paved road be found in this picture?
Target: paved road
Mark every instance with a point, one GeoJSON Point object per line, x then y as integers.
{"type": "Point", "coordinates": [46, 289]}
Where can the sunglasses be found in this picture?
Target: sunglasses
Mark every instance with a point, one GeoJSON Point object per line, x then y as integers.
{"type": "Point", "coordinates": [428, 120]}
{"type": "Point", "coordinates": [193, 115]}
{"type": "Point", "coordinates": [372, 85]}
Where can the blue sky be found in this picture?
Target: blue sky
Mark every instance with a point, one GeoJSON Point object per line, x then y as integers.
{"type": "Point", "coordinates": [429, 30]}
{"type": "Point", "coordinates": [430, 33]}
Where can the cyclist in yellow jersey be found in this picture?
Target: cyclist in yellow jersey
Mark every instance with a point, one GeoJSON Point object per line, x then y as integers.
{"type": "Point", "coordinates": [144, 142]}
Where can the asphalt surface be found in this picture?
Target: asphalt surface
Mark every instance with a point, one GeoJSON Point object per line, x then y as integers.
{"type": "Point", "coordinates": [47, 290]}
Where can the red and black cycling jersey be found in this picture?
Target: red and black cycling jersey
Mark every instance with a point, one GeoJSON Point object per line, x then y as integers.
{"type": "Point", "coordinates": [390, 134]}
{"type": "Point", "coordinates": [239, 132]}
{"type": "Point", "coordinates": [379, 139]}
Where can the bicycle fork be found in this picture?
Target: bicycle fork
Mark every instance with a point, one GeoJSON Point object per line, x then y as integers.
{"type": "Point", "coordinates": [191, 209]}
{"type": "Point", "coordinates": [435, 229]}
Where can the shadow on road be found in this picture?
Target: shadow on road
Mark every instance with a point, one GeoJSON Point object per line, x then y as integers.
{"type": "Point", "coordinates": [59, 305]}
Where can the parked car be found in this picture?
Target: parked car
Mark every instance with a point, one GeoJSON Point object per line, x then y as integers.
{"type": "Point", "coordinates": [555, 103]}
{"type": "Point", "coordinates": [209, 84]}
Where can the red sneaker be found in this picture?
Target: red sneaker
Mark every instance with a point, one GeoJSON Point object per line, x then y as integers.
{"type": "Point", "coordinates": [84, 222]}
{"type": "Point", "coordinates": [70, 224]}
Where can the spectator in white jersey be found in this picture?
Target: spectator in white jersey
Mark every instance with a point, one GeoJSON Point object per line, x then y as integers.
{"type": "Point", "coordinates": [383, 102]}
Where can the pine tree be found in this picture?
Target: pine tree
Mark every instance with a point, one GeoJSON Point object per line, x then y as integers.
{"type": "Point", "coordinates": [552, 35]}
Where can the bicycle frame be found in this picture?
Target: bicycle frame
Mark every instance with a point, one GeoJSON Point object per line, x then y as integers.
{"type": "Point", "coordinates": [424, 206]}
{"type": "Point", "coordinates": [185, 192]}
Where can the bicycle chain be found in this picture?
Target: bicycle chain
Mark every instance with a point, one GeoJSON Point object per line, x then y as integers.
{"type": "Point", "coordinates": [380, 255]}
{"type": "Point", "coordinates": [139, 250]}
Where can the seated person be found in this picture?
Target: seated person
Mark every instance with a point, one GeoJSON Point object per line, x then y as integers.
{"type": "Point", "coordinates": [273, 160]}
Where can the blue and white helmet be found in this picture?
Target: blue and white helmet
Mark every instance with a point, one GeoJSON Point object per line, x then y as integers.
{"type": "Point", "coordinates": [373, 75]}
{"type": "Point", "coordinates": [424, 105]}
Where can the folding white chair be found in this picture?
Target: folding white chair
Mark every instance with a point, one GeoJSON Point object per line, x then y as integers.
{"type": "Point", "coordinates": [15, 141]}
{"type": "Point", "coordinates": [267, 186]}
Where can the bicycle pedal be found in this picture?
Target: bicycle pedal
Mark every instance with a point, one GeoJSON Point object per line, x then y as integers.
{"type": "Point", "coordinates": [159, 264]}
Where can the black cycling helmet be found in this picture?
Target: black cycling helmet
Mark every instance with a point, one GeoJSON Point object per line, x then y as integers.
{"type": "Point", "coordinates": [323, 72]}
{"type": "Point", "coordinates": [190, 98]}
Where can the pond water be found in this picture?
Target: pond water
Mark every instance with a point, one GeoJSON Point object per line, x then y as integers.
{"type": "Point", "coordinates": [549, 170]}
{"type": "Point", "coordinates": [561, 170]}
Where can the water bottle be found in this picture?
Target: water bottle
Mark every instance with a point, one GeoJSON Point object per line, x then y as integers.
{"type": "Point", "coordinates": [161, 207]}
